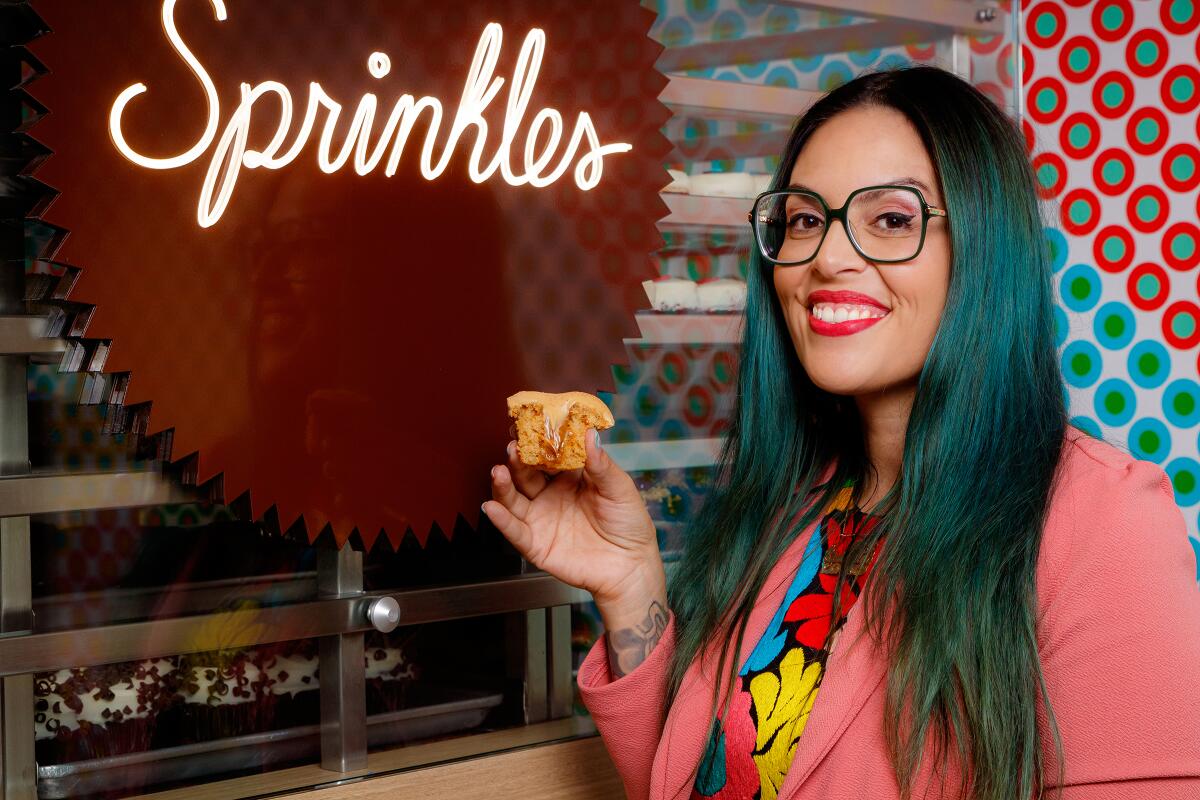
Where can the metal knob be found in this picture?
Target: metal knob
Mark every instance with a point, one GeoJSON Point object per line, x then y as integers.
{"type": "Point", "coordinates": [384, 614]}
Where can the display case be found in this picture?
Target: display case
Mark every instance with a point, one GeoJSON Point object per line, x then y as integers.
{"type": "Point", "coordinates": [160, 636]}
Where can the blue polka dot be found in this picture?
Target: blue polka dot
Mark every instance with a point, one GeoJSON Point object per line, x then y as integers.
{"type": "Point", "coordinates": [864, 58]}
{"type": "Point", "coordinates": [1058, 247]}
{"type": "Point", "coordinates": [647, 406]}
{"type": "Point", "coordinates": [894, 61]}
{"type": "Point", "coordinates": [833, 75]}
{"type": "Point", "coordinates": [1087, 425]}
{"type": "Point", "coordinates": [1150, 440]}
{"type": "Point", "coordinates": [672, 431]}
{"type": "Point", "coordinates": [1196, 549]}
{"type": "Point", "coordinates": [808, 64]}
{"type": "Point", "coordinates": [1080, 288]}
{"type": "Point", "coordinates": [1115, 402]}
{"type": "Point", "coordinates": [1060, 326]}
{"type": "Point", "coordinates": [1081, 364]}
{"type": "Point", "coordinates": [701, 10]}
{"type": "Point", "coordinates": [677, 31]}
{"type": "Point", "coordinates": [1149, 364]}
{"type": "Point", "coordinates": [1185, 477]}
{"type": "Point", "coordinates": [729, 25]}
{"type": "Point", "coordinates": [781, 20]}
{"type": "Point", "coordinates": [752, 8]}
{"type": "Point", "coordinates": [781, 76]}
{"type": "Point", "coordinates": [1181, 403]}
{"type": "Point", "coordinates": [1114, 326]}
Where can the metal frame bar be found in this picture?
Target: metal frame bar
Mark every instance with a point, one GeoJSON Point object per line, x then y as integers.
{"type": "Point", "coordinates": [108, 644]}
{"type": "Point", "coordinates": [343, 684]}
{"type": "Point", "coordinates": [26, 495]}
{"type": "Point", "coordinates": [963, 17]}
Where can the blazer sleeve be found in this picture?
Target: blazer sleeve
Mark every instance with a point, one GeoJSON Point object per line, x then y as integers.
{"type": "Point", "coordinates": [1120, 643]}
{"type": "Point", "coordinates": [628, 712]}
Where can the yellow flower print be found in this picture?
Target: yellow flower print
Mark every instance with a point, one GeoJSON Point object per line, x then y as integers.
{"type": "Point", "coordinates": [782, 707]}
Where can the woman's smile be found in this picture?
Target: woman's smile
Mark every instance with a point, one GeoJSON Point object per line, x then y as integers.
{"type": "Point", "coordinates": [843, 313]}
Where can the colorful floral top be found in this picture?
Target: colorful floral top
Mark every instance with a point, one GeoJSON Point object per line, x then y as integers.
{"type": "Point", "coordinates": [749, 753]}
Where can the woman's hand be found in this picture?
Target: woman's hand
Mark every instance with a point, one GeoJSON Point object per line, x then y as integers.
{"type": "Point", "coordinates": [587, 527]}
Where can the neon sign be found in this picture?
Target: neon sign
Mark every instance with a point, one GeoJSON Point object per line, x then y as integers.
{"type": "Point", "coordinates": [543, 142]}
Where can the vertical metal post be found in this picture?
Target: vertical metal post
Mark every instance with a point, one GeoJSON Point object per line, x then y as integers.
{"type": "Point", "coordinates": [343, 675]}
{"type": "Point", "coordinates": [536, 709]}
{"type": "Point", "coordinates": [1018, 70]}
{"type": "Point", "coordinates": [17, 766]}
{"type": "Point", "coordinates": [954, 53]}
{"type": "Point", "coordinates": [561, 698]}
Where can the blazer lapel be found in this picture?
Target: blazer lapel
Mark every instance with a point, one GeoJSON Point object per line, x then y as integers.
{"type": "Point", "coordinates": [853, 673]}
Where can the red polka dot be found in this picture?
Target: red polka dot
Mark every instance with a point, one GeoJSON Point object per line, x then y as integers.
{"type": "Point", "coordinates": [1158, 198]}
{"type": "Point", "coordinates": [1176, 340]}
{"type": "Point", "coordinates": [1184, 72]}
{"type": "Point", "coordinates": [1091, 141]}
{"type": "Point", "coordinates": [1047, 100]}
{"type": "Point", "coordinates": [1152, 36]}
{"type": "Point", "coordinates": [1052, 162]}
{"type": "Point", "coordinates": [1114, 262]}
{"type": "Point", "coordinates": [1080, 198]}
{"type": "Point", "coordinates": [1101, 11]}
{"type": "Point", "coordinates": [1113, 154]}
{"type": "Point", "coordinates": [1187, 260]}
{"type": "Point", "coordinates": [1153, 118]}
{"type": "Point", "coordinates": [1101, 90]}
{"type": "Point", "coordinates": [1152, 301]}
{"type": "Point", "coordinates": [1178, 28]}
{"type": "Point", "coordinates": [1183, 151]}
{"type": "Point", "coordinates": [1064, 58]}
{"type": "Point", "coordinates": [1034, 19]}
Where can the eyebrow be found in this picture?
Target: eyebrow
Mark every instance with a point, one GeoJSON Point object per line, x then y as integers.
{"type": "Point", "coordinates": [917, 182]}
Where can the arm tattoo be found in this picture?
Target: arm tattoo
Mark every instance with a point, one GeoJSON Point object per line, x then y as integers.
{"type": "Point", "coordinates": [629, 647]}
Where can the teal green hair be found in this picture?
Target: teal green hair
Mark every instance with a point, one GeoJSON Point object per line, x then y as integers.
{"type": "Point", "coordinates": [952, 598]}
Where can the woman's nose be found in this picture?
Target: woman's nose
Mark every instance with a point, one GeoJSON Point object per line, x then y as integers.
{"type": "Point", "coordinates": [837, 253]}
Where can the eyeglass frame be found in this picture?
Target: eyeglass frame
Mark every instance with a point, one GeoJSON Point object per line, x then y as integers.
{"type": "Point", "coordinates": [927, 211]}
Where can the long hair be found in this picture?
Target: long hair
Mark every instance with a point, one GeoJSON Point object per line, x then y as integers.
{"type": "Point", "coordinates": [951, 598]}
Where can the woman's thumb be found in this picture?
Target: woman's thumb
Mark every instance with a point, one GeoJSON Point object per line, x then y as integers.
{"type": "Point", "coordinates": [599, 466]}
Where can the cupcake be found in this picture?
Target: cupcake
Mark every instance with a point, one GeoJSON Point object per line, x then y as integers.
{"type": "Point", "coordinates": [220, 695]}
{"type": "Point", "coordinates": [98, 712]}
{"type": "Point", "coordinates": [389, 674]}
{"type": "Point", "coordinates": [290, 682]}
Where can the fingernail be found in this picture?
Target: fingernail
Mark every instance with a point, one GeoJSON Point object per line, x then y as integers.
{"type": "Point", "coordinates": [483, 507]}
{"type": "Point", "coordinates": [596, 439]}
{"type": "Point", "coordinates": [493, 473]}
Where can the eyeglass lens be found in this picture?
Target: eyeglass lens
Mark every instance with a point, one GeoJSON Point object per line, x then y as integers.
{"type": "Point", "coordinates": [886, 224]}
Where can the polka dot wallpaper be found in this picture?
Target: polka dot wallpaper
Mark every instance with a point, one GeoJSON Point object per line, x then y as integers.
{"type": "Point", "coordinates": [1113, 117]}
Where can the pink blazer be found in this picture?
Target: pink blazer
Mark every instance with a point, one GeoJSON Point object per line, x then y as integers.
{"type": "Point", "coordinates": [1119, 640]}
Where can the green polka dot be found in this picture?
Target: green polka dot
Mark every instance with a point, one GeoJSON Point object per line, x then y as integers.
{"type": "Point", "coordinates": [1113, 171]}
{"type": "Point", "coordinates": [1182, 89]}
{"type": "Point", "coordinates": [1149, 442]}
{"type": "Point", "coordinates": [1079, 136]}
{"type": "Point", "coordinates": [1081, 364]}
{"type": "Point", "coordinates": [1046, 100]}
{"type": "Point", "coordinates": [1080, 288]}
{"type": "Point", "coordinates": [1113, 94]}
{"type": "Point", "coordinates": [1147, 286]}
{"type": "Point", "coordinates": [1148, 364]}
{"type": "Point", "coordinates": [1114, 403]}
{"type": "Point", "coordinates": [1079, 59]}
{"type": "Point", "coordinates": [1147, 208]}
{"type": "Point", "coordinates": [1183, 325]}
{"type": "Point", "coordinates": [1146, 53]}
{"type": "Point", "coordinates": [1183, 246]}
{"type": "Point", "coordinates": [1183, 168]}
{"type": "Point", "coordinates": [1111, 18]}
{"type": "Point", "coordinates": [1146, 131]}
{"type": "Point", "coordinates": [1185, 404]}
{"type": "Point", "coordinates": [1113, 248]}
{"type": "Point", "coordinates": [1080, 212]}
{"type": "Point", "coordinates": [1045, 25]}
{"type": "Point", "coordinates": [1114, 326]}
{"type": "Point", "coordinates": [1181, 11]}
{"type": "Point", "coordinates": [1185, 482]}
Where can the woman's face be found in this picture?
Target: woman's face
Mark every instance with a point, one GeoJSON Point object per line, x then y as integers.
{"type": "Point", "coordinates": [866, 146]}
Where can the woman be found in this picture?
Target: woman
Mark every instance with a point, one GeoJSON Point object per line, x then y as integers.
{"type": "Point", "coordinates": [1031, 622]}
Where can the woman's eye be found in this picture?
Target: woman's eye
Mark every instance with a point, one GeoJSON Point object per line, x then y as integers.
{"type": "Point", "coordinates": [895, 221]}
{"type": "Point", "coordinates": [803, 222]}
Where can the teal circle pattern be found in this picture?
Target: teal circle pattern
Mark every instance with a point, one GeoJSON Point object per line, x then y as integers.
{"type": "Point", "coordinates": [1185, 478]}
{"type": "Point", "coordinates": [1150, 440]}
{"type": "Point", "coordinates": [1181, 403]}
{"type": "Point", "coordinates": [1149, 364]}
{"type": "Point", "coordinates": [1115, 402]}
{"type": "Point", "coordinates": [1080, 288]}
{"type": "Point", "coordinates": [1115, 326]}
{"type": "Point", "coordinates": [1081, 364]}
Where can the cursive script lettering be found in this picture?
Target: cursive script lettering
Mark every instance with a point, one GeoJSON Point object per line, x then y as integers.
{"type": "Point", "coordinates": [367, 147]}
